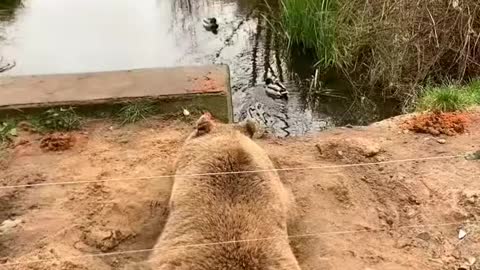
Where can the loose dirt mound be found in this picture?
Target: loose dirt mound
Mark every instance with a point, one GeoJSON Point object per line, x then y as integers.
{"type": "Point", "coordinates": [57, 142]}
{"type": "Point", "coordinates": [391, 216]}
{"type": "Point", "coordinates": [439, 123]}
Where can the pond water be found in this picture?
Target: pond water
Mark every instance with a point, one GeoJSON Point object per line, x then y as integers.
{"type": "Point", "coordinates": [67, 36]}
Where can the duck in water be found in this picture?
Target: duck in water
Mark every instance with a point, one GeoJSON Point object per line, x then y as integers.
{"type": "Point", "coordinates": [210, 24]}
{"type": "Point", "coordinates": [274, 88]}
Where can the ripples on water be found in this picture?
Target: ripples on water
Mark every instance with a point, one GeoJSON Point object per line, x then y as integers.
{"type": "Point", "coordinates": [66, 36]}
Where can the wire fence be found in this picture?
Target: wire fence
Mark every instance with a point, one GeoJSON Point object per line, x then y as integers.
{"type": "Point", "coordinates": [156, 177]}
{"type": "Point", "coordinates": [199, 245]}
{"type": "Point", "coordinates": [272, 238]}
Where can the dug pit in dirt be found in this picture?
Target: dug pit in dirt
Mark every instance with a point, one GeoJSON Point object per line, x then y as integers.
{"type": "Point", "coordinates": [209, 212]}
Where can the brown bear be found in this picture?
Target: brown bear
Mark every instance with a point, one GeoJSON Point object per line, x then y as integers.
{"type": "Point", "coordinates": [214, 214]}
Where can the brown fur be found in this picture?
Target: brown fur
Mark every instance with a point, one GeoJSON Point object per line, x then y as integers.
{"type": "Point", "coordinates": [219, 208]}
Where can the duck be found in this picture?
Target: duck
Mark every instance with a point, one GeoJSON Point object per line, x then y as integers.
{"type": "Point", "coordinates": [210, 24]}
{"type": "Point", "coordinates": [274, 88]}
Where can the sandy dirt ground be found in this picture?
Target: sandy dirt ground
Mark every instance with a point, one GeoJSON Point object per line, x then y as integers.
{"type": "Point", "coordinates": [404, 215]}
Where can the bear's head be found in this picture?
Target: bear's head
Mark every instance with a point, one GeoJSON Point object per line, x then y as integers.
{"type": "Point", "coordinates": [206, 125]}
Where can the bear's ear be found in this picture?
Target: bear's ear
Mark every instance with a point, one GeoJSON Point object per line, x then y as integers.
{"type": "Point", "coordinates": [248, 127]}
{"type": "Point", "coordinates": [204, 124]}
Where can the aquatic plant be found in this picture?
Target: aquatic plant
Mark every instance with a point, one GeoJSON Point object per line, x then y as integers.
{"type": "Point", "coordinates": [386, 47]}
{"type": "Point", "coordinates": [310, 24]}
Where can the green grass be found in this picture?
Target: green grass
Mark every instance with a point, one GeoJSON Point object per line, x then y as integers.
{"type": "Point", "coordinates": [135, 111]}
{"type": "Point", "coordinates": [8, 130]}
{"type": "Point", "coordinates": [450, 98]}
{"type": "Point", "coordinates": [311, 24]}
{"type": "Point", "coordinates": [387, 48]}
{"type": "Point", "coordinates": [56, 119]}
{"type": "Point", "coordinates": [474, 89]}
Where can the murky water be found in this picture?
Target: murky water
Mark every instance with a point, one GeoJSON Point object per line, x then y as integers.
{"type": "Point", "coordinates": [64, 36]}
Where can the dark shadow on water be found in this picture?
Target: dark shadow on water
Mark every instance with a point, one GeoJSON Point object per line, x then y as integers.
{"type": "Point", "coordinates": [8, 8]}
{"type": "Point", "coordinates": [301, 62]}
{"type": "Point", "coordinates": [257, 35]}
{"type": "Point", "coordinates": [337, 97]}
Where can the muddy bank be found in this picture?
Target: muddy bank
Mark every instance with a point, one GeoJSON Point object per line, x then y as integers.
{"type": "Point", "coordinates": [404, 215]}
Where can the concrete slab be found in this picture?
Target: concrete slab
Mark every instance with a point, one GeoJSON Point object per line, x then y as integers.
{"type": "Point", "coordinates": [170, 84]}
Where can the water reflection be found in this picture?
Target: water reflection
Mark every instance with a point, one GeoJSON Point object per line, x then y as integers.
{"type": "Point", "coordinates": [251, 49]}
{"type": "Point", "coordinates": [8, 9]}
{"type": "Point", "coordinates": [59, 36]}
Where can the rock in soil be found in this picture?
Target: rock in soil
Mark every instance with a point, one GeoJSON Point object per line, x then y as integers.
{"type": "Point", "coordinates": [104, 239]}
{"type": "Point", "coordinates": [8, 225]}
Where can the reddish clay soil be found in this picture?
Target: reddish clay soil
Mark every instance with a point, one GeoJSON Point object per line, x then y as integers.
{"type": "Point", "coordinates": [364, 217]}
{"type": "Point", "coordinates": [439, 123]}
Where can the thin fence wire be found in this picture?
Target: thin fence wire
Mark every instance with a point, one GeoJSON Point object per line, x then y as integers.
{"type": "Point", "coordinates": [307, 235]}
{"type": "Point", "coordinates": [155, 177]}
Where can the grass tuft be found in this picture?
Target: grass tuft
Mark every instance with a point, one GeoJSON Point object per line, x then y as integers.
{"type": "Point", "coordinates": [449, 98]}
{"type": "Point", "coordinates": [57, 119]}
{"type": "Point", "coordinates": [310, 24]}
{"type": "Point", "coordinates": [387, 47]}
{"type": "Point", "coordinates": [135, 111]}
{"type": "Point", "coordinates": [474, 89]}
